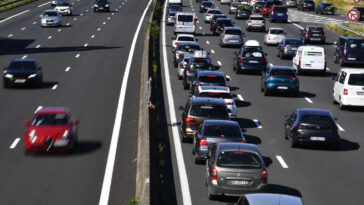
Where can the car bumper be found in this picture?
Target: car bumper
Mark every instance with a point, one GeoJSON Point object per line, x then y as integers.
{"type": "Point", "coordinates": [309, 138]}
{"type": "Point", "coordinates": [290, 53]}
{"type": "Point", "coordinates": [242, 15]}
{"type": "Point", "coordinates": [170, 21]}
{"type": "Point", "coordinates": [238, 191]}
{"type": "Point", "coordinates": [277, 18]}
{"type": "Point", "coordinates": [352, 100]}
{"type": "Point", "coordinates": [353, 60]}
{"type": "Point", "coordinates": [273, 41]}
{"type": "Point", "coordinates": [252, 68]}
{"type": "Point", "coordinates": [230, 43]}
{"type": "Point", "coordinates": [184, 29]}
{"type": "Point", "coordinates": [52, 147]}
{"type": "Point", "coordinates": [20, 82]}
{"type": "Point", "coordinates": [282, 87]}
{"type": "Point", "coordinates": [256, 27]}
{"type": "Point", "coordinates": [65, 12]}
{"type": "Point", "coordinates": [101, 8]}
{"type": "Point", "coordinates": [316, 39]}
{"type": "Point", "coordinates": [50, 24]}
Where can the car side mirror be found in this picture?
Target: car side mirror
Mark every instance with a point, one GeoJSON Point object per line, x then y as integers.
{"type": "Point", "coordinates": [75, 122]}
{"type": "Point", "coordinates": [228, 78]}
{"type": "Point", "coordinates": [181, 108]}
{"type": "Point", "coordinates": [26, 122]}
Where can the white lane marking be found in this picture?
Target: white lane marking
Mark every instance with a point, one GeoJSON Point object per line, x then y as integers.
{"type": "Point", "coordinates": [85, 45]}
{"type": "Point", "coordinates": [39, 107]}
{"type": "Point", "coordinates": [212, 51]}
{"type": "Point", "coordinates": [283, 163]}
{"type": "Point", "coordinates": [240, 97]}
{"type": "Point", "coordinates": [59, 30]}
{"type": "Point", "coordinates": [116, 9]}
{"type": "Point", "coordinates": [298, 26]}
{"type": "Point", "coordinates": [104, 22]}
{"type": "Point", "coordinates": [34, 22]}
{"type": "Point", "coordinates": [54, 86]}
{"type": "Point", "coordinates": [208, 42]}
{"type": "Point", "coordinates": [308, 100]}
{"type": "Point", "coordinates": [108, 18]}
{"type": "Point", "coordinates": [67, 24]}
{"type": "Point", "coordinates": [203, 34]}
{"type": "Point", "coordinates": [78, 55]}
{"type": "Point", "coordinates": [113, 14]}
{"type": "Point", "coordinates": [200, 27]}
{"type": "Point", "coordinates": [10, 35]}
{"type": "Point", "coordinates": [87, 10]}
{"type": "Point", "coordinates": [257, 123]}
{"type": "Point", "coordinates": [37, 46]}
{"type": "Point", "coordinates": [43, 4]}
{"type": "Point", "coordinates": [270, 64]}
{"type": "Point", "coordinates": [327, 68]}
{"type": "Point", "coordinates": [13, 16]}
{"type": "Point", "coordinates": [197, 21]}
{"type": "Point", "coordinates": [98, 29]}
{"type": "Point", "coordinates": [186, 197]}
{"type": "Point", "coordinates": [23, 28]}
{"type": "Point", "coordinates": [67, 69]}
{"type": "Point", "coordinates": [93, 36]}
{"type": "Point", "coordinates": [75, 19]}
{"type": "Point", "coordinates": [49, 37]}
{"type": "Point", "coordinates": [13, 145]}
{"type": "Point", "coordinates": [24, 57]}
{"type": "Point", "coordinates": [106, 185]}
{"type": "Point", "coordinates": [340, 128]}
{"type": "Point", "coordinates": [219, 62]}
{"type": "Point", "coordinates": [81, 14]}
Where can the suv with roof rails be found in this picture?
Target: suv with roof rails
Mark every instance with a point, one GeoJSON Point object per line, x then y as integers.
{"type": "Point", "coordinates": [211, 78]}
{"type": "Point", "coordinates": [255, 22]}
{"type": "Point", "coordinates": [313, 34]}
{"type": "Point", "coordinates": [349, 50]}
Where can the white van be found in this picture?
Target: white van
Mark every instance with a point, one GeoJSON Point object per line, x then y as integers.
{"type": "Point", "coordinates": [175, 2]}
{"type": "Point", "coordinates": [310, 58]}
{"type": "Point", "coordinates": [349, 87]}
{"type": "Point", "coordinates": [185, 23]}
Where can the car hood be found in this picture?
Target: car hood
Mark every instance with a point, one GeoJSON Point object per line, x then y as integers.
{"type": "Point", "coordinates": [44, 132]}
{"type": "Point", "coordinates": [55, 18]}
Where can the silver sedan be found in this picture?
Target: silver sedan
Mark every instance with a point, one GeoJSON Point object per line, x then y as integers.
{"type": "Point", "coordinates": [232, 36]}
{"type": "Point", "coordinates": [50, 18]}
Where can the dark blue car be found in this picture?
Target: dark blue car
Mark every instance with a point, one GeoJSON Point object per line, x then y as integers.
{"type": "Point", "coordinates": [22, 72]}
{"type": "Point", "coordinates": [250, 59]}
{"type": "Point", "coordinates": [278, 13]}
{"type": "Point", "coordinates": [288, 47]}
{"type": "Point", "coordinates": [349, 50]}
{"type": "Point", "coordinates": [280, 79]}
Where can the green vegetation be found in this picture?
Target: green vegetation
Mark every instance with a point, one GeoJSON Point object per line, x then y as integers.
{"type": "Point", "coordinates": [342, 6]}
{"type": "Point", "coordinates": [14, 5]}
{"type": "Point", "coordinates": [343, 32]}
{"type": "Point", "coordinates": [133, 200]}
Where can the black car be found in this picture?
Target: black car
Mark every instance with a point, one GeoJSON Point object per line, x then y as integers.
{"type": "Point", "coordinates": [216, 16]}
{"type": "Point", "coordinates": [218, 26]}
{"type": "Point", "coordinates": [194, 65]}
{"type": "Point", "coordinates": [22, 72]}
{"type": "Point", "coordinates": [205, 5]}
{"type": "Point", "coordinates": [313, 34]}
{"type": "Point", "coordinates": [242, 13]}
{"type": "Point", "coordinates": [213, 132]}
{"type": "Point", "coordinates": [212, 78]}
{"type": "Point", "coordinates": [312, 126]}
{"type": "Point", "coordinates": [325, 8]}
{"type": "Point", "coordinates": [101, 5]}
{"type": "Point", "coordinates": [306, 5]}
{"type": "Point", "coordinates": [349, 50]}
{"type": "Point", "coordinates": [250, 59]}
{"type": "Point", "coordinates": [174, 7]}
{"type": "Point", "coordinates": [288, 47]}
{"type": "Point", "coordinates": [361, 12]}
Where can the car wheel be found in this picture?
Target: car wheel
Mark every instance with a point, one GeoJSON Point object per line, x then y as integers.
{"type": "Point", "coordinates": [341, 62]}
{"type": "Point", "coordinates": [186, 86]}
{"type": "Point", "coordinates": [281, 56]}
{"type": "Point", "coordinates": [184, 138]}
{"type": "Point", "coordinates": [5, 84]}
{"type": "Point", "coordinates": [266, 92]}
{"type": "Point", "coordinates": [335, 59]}
{"type": "Point", "coordinates": [296, 93]}
{"type": "Point", "coordinates": [294, 143]}
{"type": "Point", "coordinates": [341, 106]}
{"type": "Point", "coordinates": [333, 100]}
{"type": "Point", "coordinates": [179, 77]}
{"type": "Point", "coordinates": [210, 195]}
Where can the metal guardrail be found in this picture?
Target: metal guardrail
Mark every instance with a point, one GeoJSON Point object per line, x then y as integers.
{"type": "Point", "coordinates": [9, 3]}
{"type": "Point", "coordinates": [349, 29]}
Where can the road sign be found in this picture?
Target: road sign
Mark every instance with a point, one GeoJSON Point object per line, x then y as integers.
{"type": "Point", "coordinates": [357, 1]}
{"type": "Point", "coordinates": [352, 15]}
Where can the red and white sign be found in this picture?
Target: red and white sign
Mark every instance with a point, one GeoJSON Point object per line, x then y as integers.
{"type": "Point", "coordinates": [357, 1]}
{"type": "Point", "coordinates": [352, 15]}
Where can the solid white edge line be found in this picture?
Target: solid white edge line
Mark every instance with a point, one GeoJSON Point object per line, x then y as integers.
{"type": "Point", "coordinates": [340, 128]}
{"type": "Point", "coordinates": [13, 145]}
{"type": "Point", "coordinates": [298, 26]}
{"type": "Point", "coordinates": [258, 124]}
{"type": "Point", "coordinates": [106, 185]}
{"type": "Point", "coordinates": [308, 100]}
{"type": "Point", "coordinates": [43, 4]}
{"type": "Point", "coordinates": [18, 14]}
{"type": "Point", "coordinates": [186, 197]}
{"type": "Point", "coordinates": [240, 97]}
{"type": "Point", "coordinates": [283, 163]}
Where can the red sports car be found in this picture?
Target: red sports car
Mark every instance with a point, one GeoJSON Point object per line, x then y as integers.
{"type": "Point", "coordinates": [50, 130]}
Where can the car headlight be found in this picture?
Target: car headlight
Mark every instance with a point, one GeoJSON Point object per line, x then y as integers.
{"type": "Point", "coordinates": [106, 5]}
{"type": "Point", "coordinates": [32, 75]}
{"type": "Point", "coordinates": [96, 5]}
{"type": "Point", "coordinates": [32, 135]}
{"type": "Point", "coordinates": [66, 134]}
{"type": "Point", "coordinates": [8, 76]}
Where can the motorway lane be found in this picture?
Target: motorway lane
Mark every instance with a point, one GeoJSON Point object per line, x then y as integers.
{"type": "Point", "coordinates": [91, 89]}
{"type": "Point", "coordinates": [310, 171]}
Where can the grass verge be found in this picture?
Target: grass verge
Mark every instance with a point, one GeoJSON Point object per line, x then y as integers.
{"type": "Point", "coordinates": [343, 32]}
{"type": "Point", "coordinates": [14, 5]}
{"type": "Point", "coordinates": [342, 6]}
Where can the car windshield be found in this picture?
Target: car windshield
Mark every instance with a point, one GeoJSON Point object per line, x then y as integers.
{"type": "Point", "coordinates": [22, 65]}
{"type": "Point", "coordinates": [280, 9]}
{"type": "Point", "coordinates": [215, 95]}
{"type": "Point", "coordinates": [358, 43]}
{"type": "Point", "coordinates": [210, 111]}
{"type": "Point", "coordinates": [211, 79]}
{"type": "Point", "coordinates": [282, 72]}
{"type": "Point", "coordinates": [201, 66]}
{"type": "Point", "coordinates": [294, 42]}
{"type": "Point", "coordinates": [239, 159]}
{"type": "Point", "coordinates": [186, 38]}
{"type": "Point", "coordinates": [50, 13]}
{"type": "Point", "coordinates": [253, 54]}
{"type": "Point", "coordinates": [256, 18]}
{"type": "Point", "coordinates": [316, 30]}
{"type": "Point", "coordinates": [233, 32]}
{"type": "Point", "coordinates": [188, 48]}
{"type": "Point", "coordinates": [317, 119]}
{"type": "Point", "coordinates": [226, 23]}
{"type": "Point", "coordinates": [276, 31]}
{"type": "Point", "coordinates": [356, 79]}
{"type": "Point", "coordinates": [64, 4]}
{"type": "Point", "coordinates": [222, 130]}
{"type": "Point", "coordinates": [50, 119]}
{"type": "Point", "coordinates": [185, 18]}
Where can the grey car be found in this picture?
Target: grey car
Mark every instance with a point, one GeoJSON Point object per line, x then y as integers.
{"type": "Point", "coordinates": [56, 2]}
{"type": "Point", "coordinates": [291, 3]}
{"type": "Point", "coordinates": [235, 168]}
{"type": "Point", "coordinates": [232, 36]}
{"type": "Point", "coordinates": [184, 48]}
{"type": "Point", "coordinates": [268, 199]}
{"type": "Point", "coordinates": [50, 17]}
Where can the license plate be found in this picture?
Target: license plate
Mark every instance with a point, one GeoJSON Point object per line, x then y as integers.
{"type": "Point", "coordinates": [309, 5]}
{"type": "Point", "coordinates": [280, 14]}
{"type": "Point", "coordinates": [315, 34]}
{"type": "Point", "coordinates": [282, 87]}
{"type": "Point", "coordinates": [20, 80]}
{"type": "Point", "coordinates": [315, 39]}
{"type": "Point", "coordinates": [317, 138]}
{"type": "Point", "coordinates": [253, 61]}
{"type": "Point", "coordinates": [360, 93]}
{"type": "Point", "coordinates": [233, 41]}
{"type": "Point", "coordinates": [308, 65]}
{"type": "Point", "coordinates": [294, 49]}
{"type": "Point", "coordinates": [239, 182]}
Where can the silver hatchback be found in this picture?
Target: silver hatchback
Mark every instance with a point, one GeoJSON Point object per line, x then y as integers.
{"type": "Point", "coordinates": [232, 36]}
{"type": "Point", "coordinates": [50, 17]}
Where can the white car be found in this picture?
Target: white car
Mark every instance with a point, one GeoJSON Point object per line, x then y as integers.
{"type": "Point", "coordinates": [309, 58]}
{"type": "Point", "coordinates": [210, 12]}
{"type": "Point", "coordinates": [274, 35]}
{"type": "Point", "coordinates": [349, 87]}
{"type": "Point", "coordinates": [225, 1]}
{"type": "Point", "coordinates": [64, 8]}
{"type": "Point", "coordinates": [182, 65]}
{"type": "Point", "coordinates": [185, 22]}
{"type": "Point", "coordinates": [183, 37]}
{"type": "Point", "coordinates": [175, 2]}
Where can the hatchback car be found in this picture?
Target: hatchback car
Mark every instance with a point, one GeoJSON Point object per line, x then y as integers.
{"type": "Point", "coordinates": [234, 169]}
{"type": "Point", "coordinates": [210, 12]}
{"type": "Point", "coordinates": [199, 109]}
{"type": "Point", "coordinates": [51, 130]}
{"type": "Point", "coordinates": [182, 38]}
{"type": "Point", "coordinates": [205, 5]}
{"type": "Point", "coordinates": [171, 16]}
{"type": "Point", "coordinates": [211, 78]}
{"type": "Point", "coordinates": [268, 199]}
{"type": "Point", "coordinates": [349, 50]}
{"type": "Point", "coordinates": [22, 72]}
{"type": "Point", "coordinates": [194, 65]}
{"type": "Point", "coordinates": [64, 8]}
{"type": "Point", "coordinates": [288, 47]}
{"type": "Point", "coordinates": [219, 25]}
{"type": "Point", "coordinates": [349, 87]}
{"type": "Point", "coordinates": [232, 36]}
{"type": "Point", "coordinates": [183, 64]}
{"type": "Point", "coordinates": [280, 79]}
{"type": "Point", "coordinates": [216, 16]}
{"type": "Point", "coordinates": [259, 6]}
{"type": "Point", "coordinates": [312, 126]}
{"type": "Point", "coordinates": [306, 5]}
{"type": "Point", "coordinates": [184, 48]}
{"type": "Point", "coordinates": [50, 17]}
{"type": "Point", "coordinates": [242, 13]}
{"type": "Point", "coordinates": [278, 13]}
{"type": "Point", "coordinates": [255, 22]}
{"type": "Point", "coordinates": [101, 5]}
{"type": "Point", "coordinates": [213, 132]}
{"type": "Point", "coordinates": [325, 8]}
{"type": "Point", "coordinates": [275, 35]}
{"type": "Point", "coordinates": [250, 59]}
{"type": "Point", "coordinates": [234, 6]}
{"type": "Point", "coordinates": [313, 34]}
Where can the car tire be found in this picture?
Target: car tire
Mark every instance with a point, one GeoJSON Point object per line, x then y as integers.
{"type": "Point", "coordinates": [184, 139]}
{"type": "Point", "coordinates": [294, 143]}
{"type": "Point", "coordinates": [266, 92]}
{"type": "Point", "coordinates": [336, 59]}
{"type": "Point", "coordinates": [186, 86]}
{"type": "Point", "coordinates": [5, 84]}
{"type": "Point", "coordinates": [333, 100]}
{"type": "Point", "coordinates": [341, 62]}
{"type": "Point", "coordinates": [296, 93]}
{"type": "Point", "coordinates": [281, 56]}
{"type": "Point", "coordinates": [179, 77]}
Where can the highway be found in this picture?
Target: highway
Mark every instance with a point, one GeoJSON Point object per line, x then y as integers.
{"type": "Point", "coordinates": [84, 63]}
{"type": "Point", "coordinates": [319, 176]}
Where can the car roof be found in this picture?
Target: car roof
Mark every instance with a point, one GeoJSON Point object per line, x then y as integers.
{"type": "Point", "coordinates": [206, 2]}
{"type": "Point", "coordinates": [353, 70]}
{"type": "Point", "coordinates": [221, 89]}
{"type": "Point", "coordinates": [205, 100]}
{"type": "Point", "coordinates": [207, 72]}
{"type": "Point", "coordinates": [209, 9]}
{"type": "Point", "coordinates": [50, 110]}
{"type": "Point", "coordinates": [281, 68]}
{"type": "Point", "coordinates": [315, 48]}
{"type": "Point", "coordinates": [221, 122]}
{"type": "Point", "coordinates": [23, 60]}
{"type": "Point", "coordinates": [185, 34]}
{"type": "Point", "coordinates": [351, 37]}
{"type": "Point", "coordinates": [268, 199]}
{"type": "Point", "coordinates": [238, 146]}
{"type": "Point", "coordinates": [276, 28]}
{"type": "Point", "coordinates": [311, 111]}
{"type": "Point", "coordinates": [232, 28]}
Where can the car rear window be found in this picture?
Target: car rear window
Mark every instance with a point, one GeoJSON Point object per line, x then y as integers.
{"type": "Point", "coordinates": [215, 95]}
{"type": "Point", "coordinates": [233, 32]}
{"type": "Point", "coordinates": [201, 66]}
{"type": "Point", "coordinates": [50, 13]}
{"type": "Point", "coordinates": [317, 119]}
{"type": "Point", "coordinates": [211, 79]}
{"type": "Point", "coordinates": [282, 72]}
{"type": "Point", "coordinates": [359, 43]}
{"type": "Point", "coordinates": [276, 31]}
{"type": "Point", "coordinates": [294, 42]}
{"type": "Point", "coordinates": [280, 9]}
{"type": "Point", "coordinates": [222, 131]}
{"type": "Point", "coordinates": [185, 18]}
{"type": "Point", "coordinates": [356, 79]}
{"type": "Point", "coordinates": [186, 38]}
{"type": "Point", "coordinates": [214, 12]}
{"type": "Point", "coordinates": [253, 54]}
{"type": "Point", "coordinates": [239, 159]}
{"type": "Point", "coordinates": [188, 48]}
{"type": "Point", "coordinates": [316, 29]}
{"type": "Point", "coordinates": [256, 18]}
{"type": "Point", "coordinates": [224, 22]}
{"type": "Point", "coordinates": [172, 14]}
{"type": "Point", "coordinates": [209, 110]}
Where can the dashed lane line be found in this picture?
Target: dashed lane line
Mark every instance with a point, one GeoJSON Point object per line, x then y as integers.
{"type": "Point", "coordinates": [15, 15]}
{"type": "Point", "coordinates": [208, 42]}
{"type": "Point", "coordinates": [54, 86]}
{"type": "Point", "coordinates": [13, 145]}
{"type": "Point", "coordinates": [10, 35]}
{"type": "Point", "coordinates": [24, 57]}
{"type": "Point", "coordinates": [37, 46]}
{"type": "Point", "coordinates": [34, 22]}
{"type": "Point", "coordinates": [67, 69]}
{"type": "Point", "coordinates": [308, 100]}
{"type": "Point", "coordinates": [219, 62]}
{"type": "Point", "coordinates": [77, 56]}
{"type": "Point", "coordinates": [240, 97]}
{"type": "Point", "coordinates": [85, 45]}
{"type": "Point", "coordinates": [212, 51]}
{"type": "Point", "coordinates": [93, 36]}
{"type": "Point", "coordinates": [22, 29]}
{"type": "Point", "coordinates": [59, 30]}
{"type": "Point", "coordinates": [98, 29]}
{"type": "Point", "coordinates": [282, 162]}
{"type": "Point", "coordinates": [340, 128]}
{"type": "Point", "coordinates": [49, 37]}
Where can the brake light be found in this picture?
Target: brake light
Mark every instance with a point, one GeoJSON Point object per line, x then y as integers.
{"type": "Point", "coordinates": [175, 20]}
{"type": "Point", "coordinates": [268, 37]}
{"type": "Point", "coordinates": [197, 84]}
{"type": "Point", "coordinates": [300, 58]}
{"type": "Point", "coordinates": [300, 126]}
{"type": "Point", "coordinates": [345, 51]}
{"type": "Point", "coordinates": [203, 142]}
{"type": "Point", "coordinates": [226, 85]}
{"type": "Point", "coordinates": [190, 120]}
{"type": "Point", "coordinates": [264, 177]}
{"type": "Point", "coordinates": [286, 47]}
{"type": "Point", "coordinates": [239, 11]}
{"type": "Point", "coordinates": [324, 33]}
{"type": "Point", "coordinates": [229, 103]}
{"type": "Point", "coordinates": [241, 58]}
{"type": "Point", "coordinates": [293, 78]}
{"type": "Point", "coordinates": [242, 141]}
{"type": "Point", "coordinates": [188, 72]}
{"type": "Point", "coordinates": [249, 21]}
{"type": "Point", "coordinates": [208, 14]}
{"type": "Point", "coordinates": [271, 77]}
{"type": "Point", "coordinates": [306, 33]}
{"type": "Point", "coordinates": [346, 91]}
{"type": "Point", "coordinates": [214, 174]}
{"type": "Point", "coordinates": [176, 43]}
{"type": "Point", "coordinates": [265, 60]}
{"type": "Point", "coordinates": [217, 24]}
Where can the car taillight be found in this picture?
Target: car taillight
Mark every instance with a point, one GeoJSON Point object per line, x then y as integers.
{"type": "Point", "coordinates": [203, 142]}
{"type": "Point", "coordinates": [169, 17]}
{"type": "Point", "coordinates": [268, 37]}
{"type": "Point", "coordinates": [217, 24]}
{"type": "Point", "coordinates": [300, 126]}
{"type": "Point", "coordinates": [197, 84]}
{"type": "Point", "coordinates": [175, 20]}
{"type": "Point", "coordinates": [229, 103]}
{"type": "Point", "coordinates": [190, 120]}
{"type": "Point", "coordinates": [188, 72]}
{"type": "Point", "coordinates": [242, 141]}
{"type": "Point", "coordinates": [214, 174]}
{"type": "Point", "coordinates": [264, 177]}
{"type": "Point", "coordinates": [345, 91]}
{"type": "Point", "coordinates": [286, 47]}
{"type": "Point", "coordinates": [345, 51]}
{"type": "Point", "coordinates": [176, 43]}
{"type": "Point", "coordinates": [249, 21]}
{"type": "Point", "coordinates": [293, 78]}
{"type": "Point", "coordinates": [241, 59]}
{"type": "Point", "coordinates": [271, 77]}
{"type": "Point", "coordinates": [306, 33]}
{"type": "Point", "coordinates": [239, 11]}
{"type": "Point", "coordinates": [208, 14]}
{"type": "Point", "coordinates": [265, 60]}
{"type": "Point", "coordinates": [324, 33]}
{"type": "Point", "coordinates": [226, 85]}
{"type": "Point", "coordinates": [300, 58]}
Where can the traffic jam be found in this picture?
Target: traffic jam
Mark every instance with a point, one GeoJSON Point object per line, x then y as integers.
{"type": "Point", "coordinates": [229, 60]}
